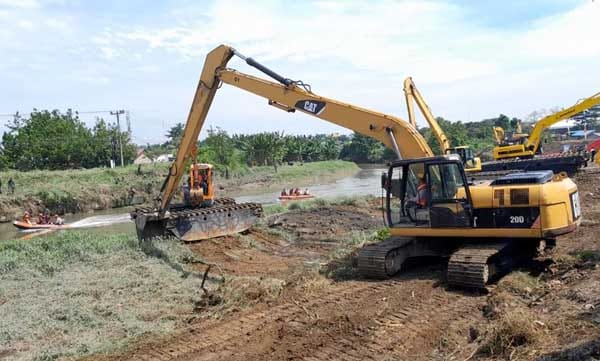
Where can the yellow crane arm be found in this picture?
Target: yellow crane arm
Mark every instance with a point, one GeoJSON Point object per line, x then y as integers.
{"type": "Point", "coordinates": [290, 96]}
{"type": "Point", "coordinates": [412, 95]}
{"type": "Point", "coordinates": [498, 135]}
{"type": "Point", "coordinates": [535, 138]}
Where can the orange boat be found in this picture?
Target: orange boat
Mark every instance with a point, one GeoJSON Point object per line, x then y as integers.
{"type": "Point", "coordinates": [298, 197]}
{"type": "Point", "coordinates": [25, 225]}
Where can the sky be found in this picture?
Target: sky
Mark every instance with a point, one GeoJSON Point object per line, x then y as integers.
{"type": "Point", "coordinates": [470, 59]}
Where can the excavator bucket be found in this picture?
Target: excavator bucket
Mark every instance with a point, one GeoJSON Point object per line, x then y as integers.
{"type": "Point", "coordinates": [195, 224]}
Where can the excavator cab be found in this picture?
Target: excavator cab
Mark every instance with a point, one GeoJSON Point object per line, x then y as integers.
{"type": "Point", "coordinates": [429, 193]}
{"type": "Point", "coordinates": [471, 163]}
{"type": "Point", "coordinates": [200, 184]}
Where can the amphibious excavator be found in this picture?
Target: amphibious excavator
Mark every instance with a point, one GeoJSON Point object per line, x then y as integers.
{"type": "Point", "coordinates": [201, 215]}
{"type": "Point", "coordinates": [471, 163]}
{"type": "Point", "coordinates": [430, 207]}
{"type": "Point", "coordinates": [523, 151]}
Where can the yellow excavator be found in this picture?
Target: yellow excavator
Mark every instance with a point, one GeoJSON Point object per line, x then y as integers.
{"type": "Point", "coordinates": [522, 151]}
{"type": "Point", "coordinates": [413, 95]}
{"type": "Point", "coordinates": [430, 207]}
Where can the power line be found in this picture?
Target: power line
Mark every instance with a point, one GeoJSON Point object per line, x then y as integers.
{"type": "Point", "coordinates": [74, 111]}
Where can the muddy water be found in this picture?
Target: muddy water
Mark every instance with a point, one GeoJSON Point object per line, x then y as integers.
{"type": "Point", "coordinates": [367, 181]}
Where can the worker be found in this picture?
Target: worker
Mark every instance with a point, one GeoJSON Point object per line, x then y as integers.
{"type": "Point", "coordinates": [204, 185]}
{"type": "Point", "coordinates": [57, 220]}
{"type": "Point", "coordinates": [422, 192]}
{"type": "Point", "coordinates": [11, 186]}
{"type": "Point", "coordinates": [27, 217]}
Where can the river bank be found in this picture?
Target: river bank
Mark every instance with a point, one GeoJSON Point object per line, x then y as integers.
{"type": "Point", "coordinates": [76, 191]}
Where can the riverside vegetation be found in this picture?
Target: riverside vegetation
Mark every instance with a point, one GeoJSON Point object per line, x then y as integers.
{"type": "Point", "coordinates": [74, 293]}
{"type": "Point", "coordinates": [81, 190]}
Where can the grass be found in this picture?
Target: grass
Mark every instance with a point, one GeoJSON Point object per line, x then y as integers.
{"type": "Point", "coordinates": [519, 282]}
{"type": "Point", "coordinates": [588, 256]}
{"type": "Point", "coordinates": [72, 191]}
{"type": "Point", "coordinates": [295, 172]}
{"type": "Point", "coordinates": [515, 329]}
{"type": "Point", "coordinates": [73, 294]}
{"type": "Point", "coordinates": [340, 264]}
{"type": "Point", "coordinates": [357, 201]}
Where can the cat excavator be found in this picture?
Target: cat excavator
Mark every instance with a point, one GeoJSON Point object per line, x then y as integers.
{"type": "Point", "coordinates": [524, 151]}
{"type": "Point", "coordinates": [412, 95]}
{"type": "Point", "coordinates": [430, 208]}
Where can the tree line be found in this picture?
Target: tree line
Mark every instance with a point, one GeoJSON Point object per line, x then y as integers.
{"type": "Point", "coordinates": [55, 140]}
{"type": "Point", "coordinates": [229, 152]}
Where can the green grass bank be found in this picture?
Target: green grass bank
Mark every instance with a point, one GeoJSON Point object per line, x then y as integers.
{"type": "Point", "coordinates": [74, 191]}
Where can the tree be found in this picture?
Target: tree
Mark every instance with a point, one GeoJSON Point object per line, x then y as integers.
{"type": "Point", "coordinates": [363, 149]}
{"type": "Point", "coordinates": [175, 134]}
{"type": "Point", "coordinates": [218, 148]}
{"type": "Point", "coordinates": [263, 148]}
{"type": "Point", "coordinates": [52, 140]}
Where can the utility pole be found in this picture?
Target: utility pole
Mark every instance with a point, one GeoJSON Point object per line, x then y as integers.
{"type": "Point", "coordinates": [117, 113]}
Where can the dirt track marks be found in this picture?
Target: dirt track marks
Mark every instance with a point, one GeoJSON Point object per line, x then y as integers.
{"type": "Point", "coordinates": [415, 326]}
{"type": "Point", "coordinates": [395, 319]}
{"type": "Point", "coordinates": [198, 343]}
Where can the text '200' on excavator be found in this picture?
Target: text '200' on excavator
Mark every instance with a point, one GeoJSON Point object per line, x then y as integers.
{"type": "Point", "coordinates": [430, 207]}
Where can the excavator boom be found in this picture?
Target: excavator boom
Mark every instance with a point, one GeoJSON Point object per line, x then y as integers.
{"type": "Point", "coordinates": [535, 138]}
{"type": "Point", "coordinates": [290, 96]}
{"type": "Point", "coordinates": [412, 95]}
{"type": "Point", "coordinates": [431, 207]}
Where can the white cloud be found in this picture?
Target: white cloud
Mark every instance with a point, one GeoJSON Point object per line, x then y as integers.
{"type": "Point", "coordinates": [359, 52]}
{"type": "Point", "coordinates": [22, 4]}
{"type": "Point", "coordinates": [25, 24]}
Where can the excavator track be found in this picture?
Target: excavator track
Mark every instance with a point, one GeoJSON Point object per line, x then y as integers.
{"type": "Point", "coordinates": [473, 266]}
{"type": "Point", "coordinates": [192, 224]}
{"type": "Point", "coordinates": [383, 260]}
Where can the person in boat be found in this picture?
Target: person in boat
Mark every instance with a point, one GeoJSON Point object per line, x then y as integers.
{"type": "Point", "coordinates": [283, 193]}
{"type": "Point", "coordinates": [27, 217]}
{"type": "Point", "coordinates": [297, 191]}
{"type": "Point", "coordinates": [57, 220]}
{"type": "Point", "coordinates": [41, 218]}
{"type": "Point", "coordinates": [306, 192]}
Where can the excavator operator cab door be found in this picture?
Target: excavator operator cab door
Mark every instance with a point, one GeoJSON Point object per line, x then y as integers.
{"type": "Point", "coordinates": [466, 154]}
{"type": "Point", "coordinates": [428, 193]}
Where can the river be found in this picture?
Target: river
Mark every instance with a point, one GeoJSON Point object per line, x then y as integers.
{"type": "Point", "coordinates": [367, 181]}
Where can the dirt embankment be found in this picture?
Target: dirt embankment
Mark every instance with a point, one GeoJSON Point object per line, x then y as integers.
{"type": "Point", "coordinates": [548, 309]}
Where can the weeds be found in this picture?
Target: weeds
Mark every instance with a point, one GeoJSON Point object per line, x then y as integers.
{"type": "Point", "coordinates": [514, 329]}
{"type": "Point", "coordinates": [340, 263]}
{"type": "Point", "coordinates": [588, 256]}
{"type": "Point", "coordinates": [519, 282]}
{"type": "Point", "coordinates": [237, 293]}
{"type": "Point", "coordinates": [73, 294]}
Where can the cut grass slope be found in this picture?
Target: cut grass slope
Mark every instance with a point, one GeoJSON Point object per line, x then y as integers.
{"type": "Point", "coordinates": [73, 294]}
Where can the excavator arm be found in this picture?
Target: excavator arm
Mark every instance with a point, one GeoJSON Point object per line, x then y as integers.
{"type": "Point", "coordinates": [531, 146]}
{"type": "Point", "coordinates": [289, 96]}
{"type": "Point", "coordinates": [412, 95]}
{"type": "Point", "coordinates": [535, 138]}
